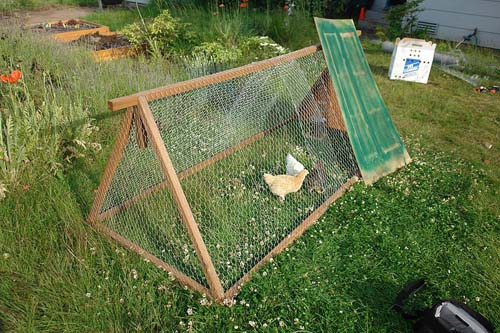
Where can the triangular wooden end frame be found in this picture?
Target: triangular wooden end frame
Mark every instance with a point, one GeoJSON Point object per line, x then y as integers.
{"type": "Point", "coordinates": [148, 133]}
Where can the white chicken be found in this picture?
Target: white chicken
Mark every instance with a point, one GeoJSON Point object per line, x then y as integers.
{"type": "Point", "coordinates": [293, 166]}
{"type": "Point", "coordinates": [282, 185]}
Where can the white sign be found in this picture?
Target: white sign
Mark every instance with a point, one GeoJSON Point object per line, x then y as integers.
{"type": "Point", "coordinates": [411, 60]}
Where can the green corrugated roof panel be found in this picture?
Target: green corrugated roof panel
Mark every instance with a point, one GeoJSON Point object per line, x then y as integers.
{"type": "Point", "coordinates": [377, 145]}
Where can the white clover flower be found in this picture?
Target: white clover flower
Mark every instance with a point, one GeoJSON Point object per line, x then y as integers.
{"type": "Point", "coordinates": [88, 295]}
{"type": "Point", "coordinates": [6, 255]}
{"type": "Point", "coordinates": [189, 311]}
{"type": "Point", "coordinates": [252, 323]}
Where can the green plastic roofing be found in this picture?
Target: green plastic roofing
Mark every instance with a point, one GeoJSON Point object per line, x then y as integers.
{"type": "Point", "coordinates": [377, 145]}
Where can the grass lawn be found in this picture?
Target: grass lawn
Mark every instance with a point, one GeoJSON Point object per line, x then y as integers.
{"type": "Point", "coordinates": [437, 218]}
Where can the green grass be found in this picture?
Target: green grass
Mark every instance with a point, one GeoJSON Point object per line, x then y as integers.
{"type": "Point", "coordinates": [438, 218]}
{"type": "Point", "coordinates": [116, 19]}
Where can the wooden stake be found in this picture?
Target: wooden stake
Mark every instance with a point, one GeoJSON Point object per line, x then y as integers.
{"type": "Point", "coordinates": [180, 199]}
{"type": "Point", "coordinates": [114, 160]}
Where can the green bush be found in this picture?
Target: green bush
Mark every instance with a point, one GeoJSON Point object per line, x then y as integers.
{"type": "Point", "coordinates": [261, 47]}
{"type": "Point", "coordinates": [216, 52]}
{"type": "Point", "coordinates": [403, 19]}
{"type": "Point", "coordinates": [163, 35]}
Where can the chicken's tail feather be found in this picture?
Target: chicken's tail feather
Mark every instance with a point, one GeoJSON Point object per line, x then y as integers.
{"type": "Point", "coordinates": [268, 178]}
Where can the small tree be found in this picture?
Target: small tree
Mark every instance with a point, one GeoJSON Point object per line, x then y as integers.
{"type": "Point", "coordinates": [403, 19]}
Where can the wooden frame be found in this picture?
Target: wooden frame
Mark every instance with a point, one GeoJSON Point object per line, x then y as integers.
{"type": "Point", "coordinates": [113, 53]}
{"type": "Point", "coordinates": [138, 114]}
{"type": "Point", "coordinates": [69, 36]}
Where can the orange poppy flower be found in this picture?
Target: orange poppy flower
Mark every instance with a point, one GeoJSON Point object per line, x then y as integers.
{"type": "Point", "coordinates": [15, 76]}
{"type": "Point", "coordinates": [12, 77]}
{"type": "Point", "coordinates": [243, 5]}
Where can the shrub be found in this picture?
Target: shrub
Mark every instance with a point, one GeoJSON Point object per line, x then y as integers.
{"type": "Point", "coordinates": [403, 18]}
{"type": "Point", "coordinates": [164, 35]}
{"type": "Point", "coordinates": [216, 52]}
{"type": "Point", "coordinates": [261, 47]}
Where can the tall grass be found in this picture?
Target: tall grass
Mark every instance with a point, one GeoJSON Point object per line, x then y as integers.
{"type": "Point", "coordinates": [49, 117]}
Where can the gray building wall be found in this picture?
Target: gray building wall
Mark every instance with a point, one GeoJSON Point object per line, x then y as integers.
{"type": "Point", "coordinates": [456, 18]}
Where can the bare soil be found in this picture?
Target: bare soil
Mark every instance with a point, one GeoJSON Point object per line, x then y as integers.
{"type": "Point", "coordinates": [102, 42]}
{"type": "Point", "coordinates": [29, 17]}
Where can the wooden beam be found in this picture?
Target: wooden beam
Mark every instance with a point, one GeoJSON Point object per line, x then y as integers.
{"type": "Point", "coordinates": [296, 233]}
{"type": "Point", "coordinates": [181, 277]}
{"type": "Point", "coordinates": [180, 199]}
{"type": "Point", "coordinates": [177, 88]}
{"type": "Point", "coordinates": [114, 160]}
{"type": "Point", "coordinates": [140, 131]}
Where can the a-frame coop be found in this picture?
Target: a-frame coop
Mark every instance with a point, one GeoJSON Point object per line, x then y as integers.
{"type": "Point", "coordinates": [183, 186]}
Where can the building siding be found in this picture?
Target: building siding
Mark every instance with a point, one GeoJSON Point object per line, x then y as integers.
{"type": "Point", "coordinates": [456, 18]}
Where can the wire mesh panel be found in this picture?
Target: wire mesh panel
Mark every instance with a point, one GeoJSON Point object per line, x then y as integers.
{"type": "Point", "coordinates": [145, 214]}
{"type": "Point", "coordinates": [229, 142]}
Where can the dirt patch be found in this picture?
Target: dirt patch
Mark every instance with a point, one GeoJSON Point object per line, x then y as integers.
{"type": "Point", "coordinates": [29, 17]}
{"type": "Point", "coordinates": [102, 42]}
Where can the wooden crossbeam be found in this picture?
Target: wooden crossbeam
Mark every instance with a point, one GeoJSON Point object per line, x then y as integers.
{"type": "Point", "coordinates": [178, 88]}
{"type": "Point", "coordinates": [196, 168]}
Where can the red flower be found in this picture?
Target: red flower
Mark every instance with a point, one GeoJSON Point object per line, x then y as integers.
{"type": "Point", "coordinates": [285, 7]}
{"type": "Point", "coordinates": [243, 5]}
{"type": "Point", "coordinates": [12, 77]}
{"type": "Point", "coordinates": [221, 5]}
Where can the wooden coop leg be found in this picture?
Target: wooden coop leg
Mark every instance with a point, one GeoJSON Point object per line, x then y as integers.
{"type": "Point", "coordinates": [114, 160]}
{"type": "Point", "coordinates": [174, 184]}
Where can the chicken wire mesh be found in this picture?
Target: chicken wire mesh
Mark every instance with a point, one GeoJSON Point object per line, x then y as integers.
{"type": "Point", "coordinates": [221, 139]}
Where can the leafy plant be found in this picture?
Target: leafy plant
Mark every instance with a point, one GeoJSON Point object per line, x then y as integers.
{"type": "Point", "coordinates": [216, 52]}
{"type": "Point", "coordinates": [261, 47]}
{"type": "Point", "coordinates": [164, 35]}
{"type": "Point", "coordinates": [403, 19]}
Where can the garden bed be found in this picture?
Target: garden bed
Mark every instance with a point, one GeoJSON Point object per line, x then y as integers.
{"type": "Point", "coordinates": [107, 46]}
{"type": "Point", "coordinates": [69, 30]}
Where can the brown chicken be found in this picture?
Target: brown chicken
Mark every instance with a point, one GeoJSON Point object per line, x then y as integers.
{"type": "Point", "coordinates": [281, 185]}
